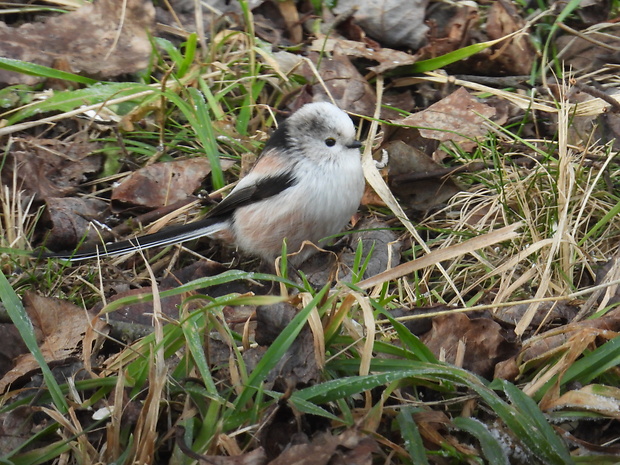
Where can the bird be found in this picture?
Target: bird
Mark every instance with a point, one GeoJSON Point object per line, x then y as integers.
{"type": "Point", "coordinates": [305, 186]}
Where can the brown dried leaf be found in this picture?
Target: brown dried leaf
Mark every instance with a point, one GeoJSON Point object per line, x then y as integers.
{"type": "Point", "coordinates": [50, 167]}
{"type": "Point", "coordinates": [12, 346]}
{"type": "Point", "coordinates": [459, 118]}
{"type": "Point", "coordinates": [388, 58]}
{"type": "Point", "coordinates": [87, 39]}
{"type": "Point", "coordinates": [453, 25]}
{"type": "Point", "coordinates": [606, 274]}
{"type": "Point", "coordinates": [395, 23]}
{"type": "Point", "coordinates": [276, 429]}
{"type": "Point", "coordinates": [347, 448]}
{"type": "Point", "coordinates": [603, 127]}
{"type": "Point", "coordinates": [600, 399]}
{"type": "Point", "coordinates": [420, 324]}
{"type": "Point", "coordinates": [141, 313]}
{"type": "Point", "coordinates": [450, 27]}
{"type": "Point", "coordinates": [421, 194]}
{"type": "Point", "coordinates": [577, 344]}
{"type": "Point", "coordinates": [550, 341]}
{"type": "Point", "coordinates": [507, 369]}
{"type": "Point", "coordinates": [375, 237]}
{"type": "Point", "coordinates": [71, 220]}
{"type": "Point", "coordinates": [483, 339]}
{"type": "Point", "coordinates": [592, 52]}
{"type": "Point", "coordinates": [344, 82]}
{"type": "Point", "coordinates": [548, 313]}
{"type": "Point", "coordinates": [255, 457]}
{"type": "Point", "coordinates": [271, 23]}
{"type": "Point", "coordinates": [59, 327]}
{"type": "Point", "coordinates": [442, 254]}
{"type": "Point", "coordinates": [162, 184]}
{"type": "Point", "coordinates": [271, 320]}
{"type": "Point", "coordinates": [594, 11]}
{"type": "Point", "coordinates": [515, 56]}
{"type": "Point", "coordinates": [16, 427]}
{"type": "Point", "coordinates": [435, 427]}
{"type": "Point", "coordinates": [137, 318]}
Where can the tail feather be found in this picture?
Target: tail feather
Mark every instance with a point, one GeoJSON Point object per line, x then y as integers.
{"type": "Point", "coordinates": [172, 235]}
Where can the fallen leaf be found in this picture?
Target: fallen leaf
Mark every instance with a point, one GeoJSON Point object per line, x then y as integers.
{"type": "Point", "coordinates": [254, 457]}
{"type": "Point", "coordinates": [380, 249]}
{"type": "Point", "coordinates": [386, 57]}
{"type": "Point", "coordinates": [289, 12]}
{"type": "Point", "coordinates": [271, 320]}
{"type": "Point", "coordinates": [71, 220]}
{"type": "Point", "coordinates": [349, 447]}
{"type": "Point", "coordinates": [507, 369]}
{"type": "Point", "coordinates": [442, 254]}
{"type": "Point", "coordinates": [420, 194]}
{"type": "Point", "coordinates": [273, 22]}
{"type": "Point", "coordinates": [609, 272]}
{"type": "Point", "coordinates": [12, 346]}
{"type": "Point", "coordinates": [459, 118]}
{"type": "Point", "coordinates": [344, 82]}
{"type": "Point", "coordinates": [141, 312]}
{"type": "Point", "coordinates": [603, 127]}
{"type": "Point", "coordinates": [174, 16]}
{"type": "Point", "coordinates": [601, 399]}
{"type": "Point", "coordinates": [548, 313]}
{"type": "Point", "coordinates": [592, 52]}
{"type": "Point", "coordinates": [550, 341]}
{"type": "Point", "coordinates": [484, 342]}
{"type": "Point", "coordinates": [59, 328]}
{"type": "Point", "coordinates": [16, 427]}
{"type": "Point", "coordinates": [420, 324]}
{"type": "Point", "coordinates": [435, 427]}
{"type": "Point", "coordinates": [515, 56]}
{"type": "Point", "coordinates": [162, 184]}
{"type": "Point", "coordinates": [282, 427]}
{"type": "Point", "coordinates": [49, 168]}
{"type": "Point", "coordinates": [99, 39]}
{"type": "Point", "coordinates": [450, 26]}
{"type": "Point", "coordinates": [395, 23]}
{"type": "Point", "coordinates": [137, 318]}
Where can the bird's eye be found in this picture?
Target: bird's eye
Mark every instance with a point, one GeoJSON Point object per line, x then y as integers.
{"type": "Point", "coordinates": [330, 141]}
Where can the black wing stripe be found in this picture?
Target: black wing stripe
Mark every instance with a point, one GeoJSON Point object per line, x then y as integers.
{"type": "Point", "coordinates": [265, 188]}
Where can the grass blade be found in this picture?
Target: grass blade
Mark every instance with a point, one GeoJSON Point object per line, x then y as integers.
{"type": "Point", "coordinates": [536, 432]}
{"type": "Point", "coordinates": [411, 435]}
{"type": "Point", "coordinates": [410, 340]}
{"type": "Point", "coordinates": [491, 448]}
{"type": "Point", "coordinates": [32, 69]}
{"type": "Point", "coordinates": [18, 315]}
{"type": "Point", "coordinates": [277, 349]}
{"type": "Point", "coordinates": [65, 101]}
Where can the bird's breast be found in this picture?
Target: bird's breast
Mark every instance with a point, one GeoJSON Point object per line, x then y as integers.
{"type": "Point", "coordinates": [318, 205]}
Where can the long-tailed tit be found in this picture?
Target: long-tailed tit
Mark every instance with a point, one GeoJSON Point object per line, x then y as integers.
{"type": "Point", "coordinates": [305, 186]}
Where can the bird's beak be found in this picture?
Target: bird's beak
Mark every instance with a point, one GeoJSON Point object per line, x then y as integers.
{"type": "Point", "coordinates": [356, 144]}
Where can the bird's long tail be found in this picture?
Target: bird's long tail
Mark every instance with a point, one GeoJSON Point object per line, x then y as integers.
{"type": "Point", "coordinates": [167, 236]}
